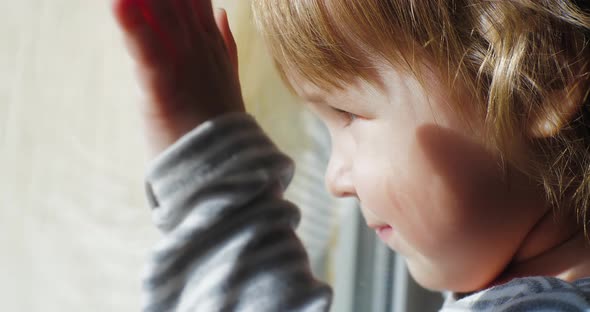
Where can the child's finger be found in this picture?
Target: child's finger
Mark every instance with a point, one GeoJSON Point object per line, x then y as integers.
{"type": "Point", "coordinates": [170, 22]}
{"type": "Point", "coordinates": [141, 40]}
{"type": "Point", "coordinates": [204, 13]}
{"type": "Point", "coordinates": [122, 10]}
{"type": "Point", "coordinates": [191, 28]}
{"type": "Point", "coordinates": [230, 43]}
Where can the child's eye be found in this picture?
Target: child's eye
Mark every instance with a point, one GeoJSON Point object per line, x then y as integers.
{"type": "Point", "coordinates": [348, 116]}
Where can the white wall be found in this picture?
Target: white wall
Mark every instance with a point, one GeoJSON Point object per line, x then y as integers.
{"type": "Point", "coordinates": [75, 227]}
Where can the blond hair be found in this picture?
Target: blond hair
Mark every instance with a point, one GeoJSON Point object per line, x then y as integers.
{"type": "Point", "coordinates": [509, 55]}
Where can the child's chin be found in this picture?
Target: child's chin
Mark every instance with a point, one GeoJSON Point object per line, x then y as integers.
{"type": "Point", "coordinates": [437, 280]}
{"type": "Point", "coordinates": [429, 282]}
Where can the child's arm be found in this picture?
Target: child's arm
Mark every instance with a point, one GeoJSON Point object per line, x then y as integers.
{"type": "Point", "coordinates": [229, 240]}
{"type": "Point", "coordinates": [216, 184]}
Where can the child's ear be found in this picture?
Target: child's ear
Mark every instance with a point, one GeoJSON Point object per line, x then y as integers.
{"type": "Point", "coordinates": [559, 109]}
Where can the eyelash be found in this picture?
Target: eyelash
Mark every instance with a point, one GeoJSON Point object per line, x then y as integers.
{"type": "Point", "coordinates": [348, 116]}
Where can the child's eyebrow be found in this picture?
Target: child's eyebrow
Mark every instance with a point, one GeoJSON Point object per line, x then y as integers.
{"type": "Point", "coordinates": [316, 98]}
{"type": "Point", "coordinates": [311, 93]}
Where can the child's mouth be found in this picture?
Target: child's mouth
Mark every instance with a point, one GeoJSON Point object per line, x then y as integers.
{"type": "Point", "coordinates": [384, 232]}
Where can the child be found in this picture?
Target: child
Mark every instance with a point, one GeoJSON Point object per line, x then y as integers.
{"type": "Point", "coordinates": [460, 126]}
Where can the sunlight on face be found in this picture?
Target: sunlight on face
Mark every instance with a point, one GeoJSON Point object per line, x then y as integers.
{"type": "Point", "coordinates": [416, 167]}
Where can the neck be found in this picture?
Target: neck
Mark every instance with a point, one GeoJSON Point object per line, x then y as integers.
{"type": "Point", "coordinates": [555, 247]}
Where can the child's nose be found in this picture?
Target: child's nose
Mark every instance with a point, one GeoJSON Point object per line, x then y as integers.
{"type": "Point", "coordinates": [338, 178]}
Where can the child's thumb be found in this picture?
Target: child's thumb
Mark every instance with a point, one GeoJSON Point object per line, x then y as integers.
{"type": "Point", "coordinates": [228, 38]}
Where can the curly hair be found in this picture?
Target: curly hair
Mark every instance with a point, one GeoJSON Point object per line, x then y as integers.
{"type": "Point", "coordinates": [520, 60]}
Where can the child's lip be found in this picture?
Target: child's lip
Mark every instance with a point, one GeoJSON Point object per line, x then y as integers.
{"type": "Point", "coordinates": [377, 226]}
{"type": "Point", "coordinates": [382, 230]}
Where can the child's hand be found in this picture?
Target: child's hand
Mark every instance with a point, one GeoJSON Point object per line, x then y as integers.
{"type": "Point", "coordinates": [187, 61]}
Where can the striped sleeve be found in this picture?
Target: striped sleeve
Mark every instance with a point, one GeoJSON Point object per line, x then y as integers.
{"type": "Point", "coordinates": [229, 241]}
{"type": "Point", "coordinates": [530, 294]}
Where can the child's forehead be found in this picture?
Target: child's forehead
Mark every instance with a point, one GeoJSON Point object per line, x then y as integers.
{"type": "Point", "coordinates": [307, 90]}
{"type": "Point", "coordinates": [350, 88]}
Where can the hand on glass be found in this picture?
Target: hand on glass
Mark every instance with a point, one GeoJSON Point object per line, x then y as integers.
{"type": "Point", "coordinates": [187, 64]}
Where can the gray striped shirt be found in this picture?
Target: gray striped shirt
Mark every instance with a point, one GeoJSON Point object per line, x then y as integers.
{"type": "Point", "coordinates": [229, 240]}
{"type": "Point", "coordinates": [527, 294]}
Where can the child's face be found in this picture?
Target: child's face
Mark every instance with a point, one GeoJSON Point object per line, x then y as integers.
{"type": "Point", "coordinates": [415, 166]}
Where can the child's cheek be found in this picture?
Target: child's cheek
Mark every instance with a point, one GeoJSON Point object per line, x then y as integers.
{"type": "Point", "coordinates": [391, 186]}
{"type": "Point", "coordinates": [466, 219]}
{"type": "Point", "coordinates": [444, 197]}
